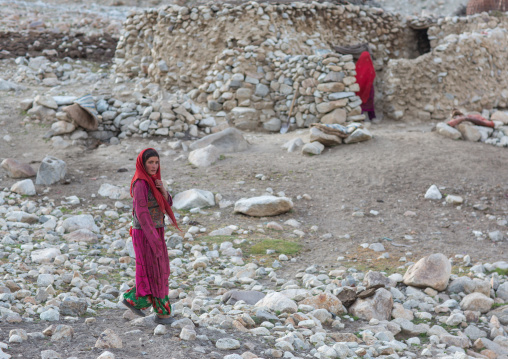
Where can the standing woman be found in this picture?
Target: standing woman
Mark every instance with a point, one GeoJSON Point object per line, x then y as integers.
{"type": "Point", "coordinates": [150, 201]}
{"type": "Point", "coordinates": [365, 75]}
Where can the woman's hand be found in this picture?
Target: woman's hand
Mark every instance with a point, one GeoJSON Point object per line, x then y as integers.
{"type": "Point", "coordinates": [160, 187]}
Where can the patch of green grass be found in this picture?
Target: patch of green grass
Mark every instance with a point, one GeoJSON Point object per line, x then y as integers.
{"type": "Point", "coordinates": [419, 321]}
{"type": "Point", "coordinates": [222, 157]}
{"type": "Point", "coordinates": [278, 245]}
{"type": "Point", "coordinates": [501, 271]}
{"type": "Point", "coordinates": [497, 305]}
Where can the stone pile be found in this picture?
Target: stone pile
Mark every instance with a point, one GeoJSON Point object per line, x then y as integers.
{"type": "Point", "coordinates": [142, 116]}
{"type": "Point", "coordinates": [497, 136]}
{"type": "Point", "coordinates": [427, 312]}
{"type": "Point", "coordinates": [175, 45]}
{"type": "Point", "coordinates": [40, 70]}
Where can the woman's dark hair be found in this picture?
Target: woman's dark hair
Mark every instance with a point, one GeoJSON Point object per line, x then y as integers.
{"type": "Point", "coordinates": [149, 153]}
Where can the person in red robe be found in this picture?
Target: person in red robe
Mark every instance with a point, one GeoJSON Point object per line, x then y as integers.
{"type": "Point", "coordinates": [150, 202]}
{"type": "Point", "coordinates": [365, 75]}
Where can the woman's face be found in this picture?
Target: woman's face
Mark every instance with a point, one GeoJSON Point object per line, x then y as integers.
{"type": "Point", "coordinates": [152, 165]}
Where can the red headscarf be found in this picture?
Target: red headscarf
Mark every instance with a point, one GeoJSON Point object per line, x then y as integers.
{"type": "Point", "coordinates": [365, 75]}
{"type": "Point", "coordinates": [142, 174]}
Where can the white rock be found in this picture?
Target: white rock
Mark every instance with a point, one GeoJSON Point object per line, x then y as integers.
{"type": "Point", "coordinates": [50, 315]}
{"type": "Point", "coordinates": [263, 206]}
{"type": "Point", "coordinates": [433, 193]}
{"type": "Point", "coordinates": [193, 198]}
{"type": "Point", "coordinates": [278, 302]}
{"type": "Point", "coordinates": [113, 192]}
{"type": "Point", "coordinates": [433, 271]}
{"type": "Point", "coordinates": [25, 187]}
{"type": "Point", "coordinates": [204, 157]}
{"type": "Point", "coordinates": [51, 170]}
{"type": "Point", "coordinates": [447, 131]}
{"type": "Point", "coordinates": [227, 344]}
{"type": "Point", "coordinates": [160, 330]}
{"type": "Point", "coordinates": [106, 355]}
{"type": "Point", "coordinates": [45, 255]}
{"type": "Point", "coordinates": [81, 221]}
{"type": "Point", "coordinates": [454, 199]}
{"type": "Point", "coordinates": [313, 148]}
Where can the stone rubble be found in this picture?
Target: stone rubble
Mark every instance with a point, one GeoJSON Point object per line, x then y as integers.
{"type": "Point", "coordinates": [426, 312]}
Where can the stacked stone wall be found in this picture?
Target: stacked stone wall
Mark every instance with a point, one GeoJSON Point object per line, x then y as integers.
{"type": "Point", "coordinates": [467, 71]}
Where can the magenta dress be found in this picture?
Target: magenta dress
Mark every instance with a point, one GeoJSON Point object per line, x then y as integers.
{"type": "Point", "coordinates": [152, 261]}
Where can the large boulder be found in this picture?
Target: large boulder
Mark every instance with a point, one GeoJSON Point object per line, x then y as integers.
{"type": "Point", "coordinates": [359, 135]}
{"type": "Point", "coordinates": [227, 141]}
{"type": "Point", "coordinates": [17, 169]}
{"type": "Point", "coordinates": [378, 306]}
{"type": "Point", "coordinates": [81, 221]}
{"type": "Point", "coordinates": [278, 303]}
{"type": "Point", "coordinates": [51, 170]}
{"type": "Point", "coordinates": [501, 313]}
{"type": "Point", "coordinates": [193, 198]}
{"type": "Point", "coordinates": [113, 192]}
{"type": "Point", "coordinates": [263, 206]}
{"type": "Point", "coordinates": [433, 271]}
{"type": "Point", "coordinates": [21, 216]}
{"type": "Point", "coordinates": [25, 187]}
{"type": "Point", "coordinates": [204, 157]}
{"type": "Point", "coordinates": [476, 302]}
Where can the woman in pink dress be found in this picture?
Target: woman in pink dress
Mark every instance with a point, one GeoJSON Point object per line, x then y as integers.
{"type": "Point", "coordinates": [150, 201]}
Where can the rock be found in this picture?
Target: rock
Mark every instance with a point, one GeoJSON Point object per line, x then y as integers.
{"type": "Point", "coordinates": [499, 350]}
{"type": "Point", "coordinates": [227, 344]}
{"type": "Point", "coordinates": [81, 235]}
{"type": "Point", "coordinates": [10, 86]}
{"type": "Point", "coordinates": [261, 90]}
{"type": "Point", "coordinates": [51, 170]}
{"type": "Point", "coordinates": [106, 355]}
{"type": "Point", "coordinates": [447, 131]}
{"type": "Point", "coordinates": [293, 145]}
{"type": "Point", "coordinates": [263, 206]}
{"type": "Point", "coordinates": [50, 315]}
{"type": "Point", "coordinates": [17, 169]}
{"type": "Point", "coordinates": [188, 334]}
{"type": "Point", "coordinates": [278, 302]}
{"type": "Point", "coordinates": [227, 141]}
{"type": "Point", "coordinates": [46, 101]}
{"type": "Point", "coordinates": [461, 284]}
{"type": "Point", "coordinates": [313, 148]}
{"type": "Point", "coordinates": [500, 116]}
{"type": "Point", "coordinates": [501, 313]}
{"type": "Point", "coordinates": [359, 135]}
{"type": "Point", "coordinates": [273, 125]}
{"type": "Point", "coordinates": [455, 200]}
{"type": "Point", "coordinates": [45, 255]}
{"type": "Point", "coordinates": [108, 339]}
{"type": "Point", "coordinates": [496, 236]}
{"type": "Point", "coordinates": [469, 132]}
{"type": "Point", "coordinates": [25, 187]}
{"type": "Point", "coordinates": [323, 138]}
{"type": "Point", "coordinates": [204, 157]}
{"type": "Point", "coordinates": [62, 332]}
{"type": "Point", "coordinates": [325, 107]}
{"type": "Point", "coordinates": [339, 115]}
{"type": "Point", "coordinates": [248, 296]}
{"type": "Point", "coordinates": [474, 333]}
{"type": "Point", "coordinates": [377, 247]}
{"type": "Point", "coordinates": [160, 330]}
{"type": "Point", "coordinates": [399, 311]}
{"type": "Point", "coordinates": [476, 302]}
{"type": "Point", "coordinates": [73, 306]}
{"type": "Point", "coordinates": [325, 301]}
{"type": "Point", "coordinates": [62, 127]}
{"type": "Point", "coordinates": [193, 198]}
{"type": "Point", "coordinates": [20, 216]}
{"type": "Point", "coordinates": [432, 271]}
{"type": "Point", "coordinates": [373, 279]}
{"type": "Point", "coordinates": [113, 192]}
{"type": "Point", "coordinates": [433, 193]}
{"type": "Point", "coordinates": [81, 221]}
{"type": "Point", "coordinates": [408, 328]}
{"type": "Point", "coordinates": [50, 354]}
{"type": "Point", "coordinates": [43, 280]}
{"type": "Point", "coordinates": [502, 291]}
{"type": "Point", "coordinates": [378, 307]}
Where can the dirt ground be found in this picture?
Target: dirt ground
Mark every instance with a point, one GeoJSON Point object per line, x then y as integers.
{"type": "Point", "coordinates": [389, 174]}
